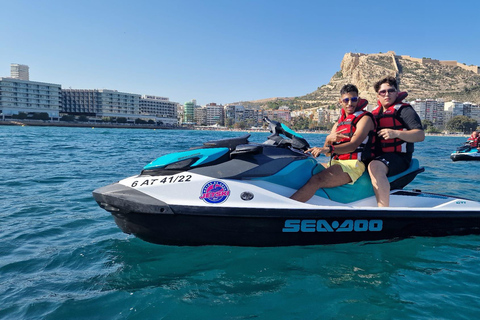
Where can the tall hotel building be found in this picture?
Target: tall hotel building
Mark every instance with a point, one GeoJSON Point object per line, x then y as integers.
{"type": "Point", "coordinates": [19, 71]}
{"type": "Point", "coordinates": [162, 108]}
{"type": "Point", "coordinates": [189, 111]}
{"type": "Point", "coordinates": [100, 103]}
{"type": "Point", "coordinates": [18, 95]}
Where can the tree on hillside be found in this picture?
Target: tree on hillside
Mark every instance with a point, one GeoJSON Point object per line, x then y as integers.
{"type": "Point", "coordinates": [240, 125]}
{"type": "Point", "coordinates": [462, 124]}
{"type": "Point", "coordinates": [301, 123]}
{"type": "Point", "coordinates": [426, 124]}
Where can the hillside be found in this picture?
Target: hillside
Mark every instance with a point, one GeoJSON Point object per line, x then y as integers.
{"type": "Point", "coordinates": [421, 78]}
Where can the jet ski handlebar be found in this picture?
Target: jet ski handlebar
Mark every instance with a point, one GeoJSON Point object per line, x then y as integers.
{"type": "Point", "coordinates": [292, 139]}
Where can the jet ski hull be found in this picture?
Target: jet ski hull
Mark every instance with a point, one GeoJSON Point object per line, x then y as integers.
{"type": "Point", "coordinates": [466, 153]}
{"type": "Point", "coordinates": [270, 228]}
{"type": "Point", "coordinates": [194, 225]}
{"type": "Point", "coordinates": [465, 156]}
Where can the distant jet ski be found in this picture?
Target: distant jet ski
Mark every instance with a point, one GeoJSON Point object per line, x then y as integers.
{"type": "Point", "coordinates": [466, 153]}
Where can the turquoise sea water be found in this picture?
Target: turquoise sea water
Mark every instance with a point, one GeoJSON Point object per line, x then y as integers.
{"type": "Point", "coordinates": [63, 257]}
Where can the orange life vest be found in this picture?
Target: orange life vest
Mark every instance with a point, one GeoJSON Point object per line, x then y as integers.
{"type": "Point", "coordinates": [348, 123]}
{"type": "Point", "coordinates": [389, 119]}
{"type": "Point", "coordinates": [473, 141]}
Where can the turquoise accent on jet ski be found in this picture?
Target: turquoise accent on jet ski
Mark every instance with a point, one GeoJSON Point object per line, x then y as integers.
{"type": "Point", "coordinates": [287, 129]}
{"type": "Point", "coordinates": [362, 188]}
{"type": "Point", "coordinates": [296, 174]}
{"type": "Point", "coordinates": [204, 155]}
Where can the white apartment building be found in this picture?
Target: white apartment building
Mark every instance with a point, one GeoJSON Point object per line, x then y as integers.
{"type": "Point", "coordinates": [19, 71]}
{"type": "Point", "coordinates": [456, 107]}
{"type": "Point", "coordinates": [200, 116]}
{"type": "Point", "coordinates": [431, 110]}
{"type": "Point", "coordinates": [234, 112]}
{"type": "Point", "coordinates": [162, 108]}
{"type": "Point", "coordinates": [214, 114]}
{"type": "Point", "coordinates": [29, 97]}
{"type": "Point", "coordinates": [101, 103]}
{"type": "Point", "coordinates": [475, 112]}
{"type": "Point", "coordinates": [420, 106]}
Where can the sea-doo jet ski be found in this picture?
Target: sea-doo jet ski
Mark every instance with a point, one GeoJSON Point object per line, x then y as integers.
{"type": "Point", "coordinates": [234, 192]}
{"type": "Point", "coordinates": [466, 153]}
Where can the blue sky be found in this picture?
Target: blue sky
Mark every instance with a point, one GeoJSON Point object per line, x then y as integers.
{"type": "Point", "coordinates": [220, 50]}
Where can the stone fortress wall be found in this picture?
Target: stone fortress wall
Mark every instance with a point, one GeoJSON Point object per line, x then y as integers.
{"type": "Point", "coordinates": [451, 63]}
{"type": "Point", "coordinates": [424, 61]}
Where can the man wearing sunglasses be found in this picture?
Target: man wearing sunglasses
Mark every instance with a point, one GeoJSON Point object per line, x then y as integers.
{"type": "Point", "coordinates": [398, 127]}
{"type": "Point", "coordinates": [349, 143]}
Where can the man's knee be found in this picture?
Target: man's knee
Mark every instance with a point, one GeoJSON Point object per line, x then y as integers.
{"type": "Point", "coordinates": [377, 167]}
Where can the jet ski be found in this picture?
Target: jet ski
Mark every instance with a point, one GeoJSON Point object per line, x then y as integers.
{"type": "Point", "coordinates": [236, 193]}
{"type": "Point", "coordinates": [466, 153]}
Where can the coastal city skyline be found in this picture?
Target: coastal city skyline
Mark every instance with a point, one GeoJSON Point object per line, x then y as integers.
{"type": "Point", "coordinates": [21, 98]}
{"type": "Point", "coordinates": [216, 51]}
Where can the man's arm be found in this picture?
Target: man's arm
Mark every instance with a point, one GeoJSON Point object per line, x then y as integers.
{"type": "Point", "coordinates": [331, 138]}
{"type": "Point", "coordinates": [364, 126]}
{"type": "Point", "coordinates": [414, 132]}
{"type": "Point", "coordinates": [414, 135]}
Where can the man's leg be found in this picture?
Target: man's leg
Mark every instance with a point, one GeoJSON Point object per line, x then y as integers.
{"type": "Point", "coordinates": [331, 177]}
{"type": "Point", "coordinates": [378, 174]}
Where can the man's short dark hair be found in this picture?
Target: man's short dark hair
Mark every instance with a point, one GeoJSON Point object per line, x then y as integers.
{"type": "Point", "coordinates": [390, 80]}
{"type": "Point", "coordinates": [348, 88]}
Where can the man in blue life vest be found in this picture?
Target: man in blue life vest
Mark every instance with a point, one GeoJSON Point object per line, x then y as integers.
{"type": "Point", "coordinates": [349, 143]}
{"type": "Point", "coordinates": [398, 127]}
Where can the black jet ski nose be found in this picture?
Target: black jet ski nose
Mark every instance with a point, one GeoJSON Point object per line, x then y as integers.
{"type": "Point", "coordinates": [119, 198]}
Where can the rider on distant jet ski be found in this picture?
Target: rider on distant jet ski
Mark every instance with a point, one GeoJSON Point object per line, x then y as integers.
{"type": "Point", "coordinates": [474, 140]}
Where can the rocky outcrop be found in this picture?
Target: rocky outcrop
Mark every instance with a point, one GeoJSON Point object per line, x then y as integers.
{"type": "Point", "coordinates": [418, 77]}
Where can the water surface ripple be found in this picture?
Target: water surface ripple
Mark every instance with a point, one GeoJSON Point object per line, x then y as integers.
{"type": "Point", "coordinates": [63, 257]}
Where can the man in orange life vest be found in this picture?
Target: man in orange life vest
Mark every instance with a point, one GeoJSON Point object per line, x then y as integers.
{"type": "Point", "coordinates": [474, 140]}
{"type": "Point", "coordinates": [350, 143]}
{"type": "Point", "coordinates": [398, 127]}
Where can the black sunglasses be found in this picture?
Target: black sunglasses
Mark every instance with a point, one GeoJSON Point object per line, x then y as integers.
{"type": "Point", "coordinates": [353, 99]}
{"type": "Point", "coordinates": [384, 92]}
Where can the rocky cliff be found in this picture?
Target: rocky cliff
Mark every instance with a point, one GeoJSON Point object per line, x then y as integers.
{"type": "Point", "coordinates": [421, 78]}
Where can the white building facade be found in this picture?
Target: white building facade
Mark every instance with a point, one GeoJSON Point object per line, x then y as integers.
{"type": "Point", "coordinates": [29, 97]}
{"type": "Point", "coordinates": [19, 71]}
{"type": "Point", "coordinates": [162, 108]}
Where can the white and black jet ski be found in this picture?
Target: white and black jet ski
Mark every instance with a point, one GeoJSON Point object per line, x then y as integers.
{"type": "Point", "coordinates": [466, 153]}
{"type": "Point", "coordinates": [232, 192]}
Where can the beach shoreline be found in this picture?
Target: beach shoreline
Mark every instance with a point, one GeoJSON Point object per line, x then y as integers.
{"type": "Point", "coordinates": [151, 126]}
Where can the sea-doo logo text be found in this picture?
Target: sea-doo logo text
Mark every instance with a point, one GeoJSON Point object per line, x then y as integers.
{"type": "Point", "coordinates": [215, 192]}
{"type": "Point", "coordinates": [335, 226]}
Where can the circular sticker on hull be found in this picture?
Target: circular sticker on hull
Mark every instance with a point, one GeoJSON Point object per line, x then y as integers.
{"type": "Point", "coordinates": [215, 192]}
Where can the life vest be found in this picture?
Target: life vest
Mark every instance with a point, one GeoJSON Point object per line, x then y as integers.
{"type": "Point", "coordinates": [476, 142]}
{"type": "Point", "coordinates": [389, 119]}
{"type": "Point", "coordinates": [473, 141]}
{"type": "Point", "coordinates": [348, 123]}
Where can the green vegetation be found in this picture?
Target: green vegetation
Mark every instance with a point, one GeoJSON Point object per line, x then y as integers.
{"type": "Point", "coordinates": [20, 115]}
{"type": "Point", "coordinates": [462, 124]}
{"type": "Point", "coordinates": [338, 75]}
{"type": "Point", "coordinates": [67, 118]}
{"type": "Point", "coordinates": [41, 116]}
{"type": "Point", "coordinates": [429, 127]}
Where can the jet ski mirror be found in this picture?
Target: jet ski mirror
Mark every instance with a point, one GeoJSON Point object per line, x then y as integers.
{"type": "Point", "coordinates": [292, 139]}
